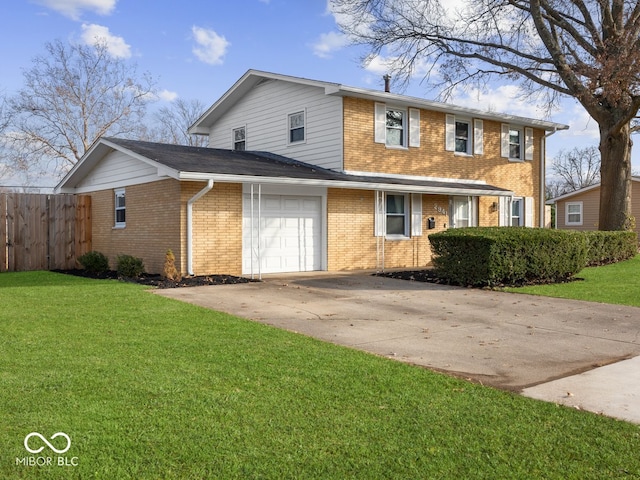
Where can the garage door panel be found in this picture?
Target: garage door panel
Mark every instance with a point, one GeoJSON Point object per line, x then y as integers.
{"type": "Point", "coordinates": [290, 234]}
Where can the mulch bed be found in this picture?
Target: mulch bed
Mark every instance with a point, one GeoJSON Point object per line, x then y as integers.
{"type": "Point", "coordinates": [158, 281]}
{"type": "Point", "coordinates": [414, 275]}
{"type": "Point", "coordinates": [429, 275]}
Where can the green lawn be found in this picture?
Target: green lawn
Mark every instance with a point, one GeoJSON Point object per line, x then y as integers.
{"type": "Point", "coordinates": [148, 387]}
{"type": "Point", "coordinates": [617, 284]}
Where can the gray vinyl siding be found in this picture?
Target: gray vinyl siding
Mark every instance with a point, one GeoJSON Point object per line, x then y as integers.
{"type": "Point", "coordinates": [117, 169]}
{"type": "Point", "coordinates": [264, 113]}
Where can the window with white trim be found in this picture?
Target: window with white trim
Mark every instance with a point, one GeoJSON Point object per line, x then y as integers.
{"type": "Point", "coordinates": [573, 213]}
{"type": "Point", "coordinates": [517, 142]}
{"type": "Point", "coordinates": [464, 136]}
{"type": "Point", "coordinates": [240, 138]}
{"type": "Point", "coordinates": [517, 218]}
{"type": "Point", "coordinates": [463, 212]}
{"type": "Point", "coordinates": [396, 129]}
{"type": "Point", "coordinates": [463, 139]}
{"type": "Point", "coordinates": [297, 127]}
{"type": "Point", "coordinates": [120, 208]}
{"type": "Point", "coordinates": [398, 216]}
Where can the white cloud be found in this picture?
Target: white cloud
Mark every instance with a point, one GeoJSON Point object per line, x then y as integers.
{"type": "Point", "coordinates": [74, 8]}
{"type": "Point", "coordinates": [500, 99]}
{"type": "Point", "coordinates": [167, 95]}
{"type": "Point", "coordinates": [211, 47]}
{"type": "Point", "coordinates": [116, 46]}
{"type": "Point", "coordinates": [329, 43]}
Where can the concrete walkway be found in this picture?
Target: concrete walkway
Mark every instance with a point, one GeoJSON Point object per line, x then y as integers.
{"type": "Point", "coordinates": [517, 342]}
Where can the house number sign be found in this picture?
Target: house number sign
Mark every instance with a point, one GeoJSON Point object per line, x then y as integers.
{"type": "Point", "coordinates": [439, 209]}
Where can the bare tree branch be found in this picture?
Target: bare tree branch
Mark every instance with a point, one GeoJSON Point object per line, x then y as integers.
{"type": "Point", "coordinates": [73, 95]}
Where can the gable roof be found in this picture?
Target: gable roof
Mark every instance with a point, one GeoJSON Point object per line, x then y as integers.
{"type": "Point", "coordinates": [201, 164]}
{"type": "Point", "coordinates": [581, 191]}
{"type": "Point", "coordinates": [253, 78]}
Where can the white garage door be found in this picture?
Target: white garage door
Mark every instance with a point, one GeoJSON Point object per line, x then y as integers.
{"type": "Point", "coordinates": [286, 232]}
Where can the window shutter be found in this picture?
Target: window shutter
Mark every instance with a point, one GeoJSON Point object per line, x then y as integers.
{"type": "Point", "coordinates": [528, 142]}
{"type": "Point", "coordinates": [414, 127]}
{"type": "Point", "coordinates": [478, 137]}
{"type": "Point", "coordinates": [528, 211]}
{"type": "Point", "coordinates": [379, 216]}
{"type": "Point", "coordinates": [416, 214]}
{"type": "Point", "coordinates": [505, 141]}
{"type": "Point", "coordinates": [381, 123]}
{"type": "Point", "coordinates": [504, 212]}
{"type": "Point", "coordinates": [473, 213]}
{"type": "Point", "coordinates": [450, 133]}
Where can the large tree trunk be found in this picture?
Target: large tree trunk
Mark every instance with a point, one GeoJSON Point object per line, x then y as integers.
{"type": "Point", "coordinates": [615, 177]}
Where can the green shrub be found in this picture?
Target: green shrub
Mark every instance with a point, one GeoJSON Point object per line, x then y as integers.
{"type": "Point", "coordinates": [610, 247]}
{"type": "Point", "coordinates": [129, 266]}
{"type": "Point", "coordinates": [94, 262]}
{"type": "Point", "coordinates": [507, 255]}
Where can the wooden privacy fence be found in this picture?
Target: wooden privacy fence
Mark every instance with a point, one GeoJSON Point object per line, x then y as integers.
{"type": "Point", "coordinates": [43, 232]}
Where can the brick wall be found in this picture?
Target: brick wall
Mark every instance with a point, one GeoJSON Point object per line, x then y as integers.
{"type": "Point", "coordinates": [153, 223]}
{"type": "Point", "coordinates": [217, 228]}
{"type": "Point", "coordinates": [351, 242]}
{"type": "Point", "coordinates": [431, 159]}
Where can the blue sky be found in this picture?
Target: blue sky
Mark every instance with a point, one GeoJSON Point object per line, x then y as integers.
{"type": "Point", "coordinates": [196, 49]}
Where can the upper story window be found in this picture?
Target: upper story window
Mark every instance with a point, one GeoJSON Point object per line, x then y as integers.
{"type": "Point", "coordinates": [463, 139]}
{"type": "Point", "coordinates": [574, 213]}
{"type": "Point", "coordinates": [297, 127]}
{"type": "Point", "coordinates": [397, 127]}
{"type": "Point", "coordinates": [120, 208]}
{"type": "Point", "coordinates": [396, 132]}
{"type": "Point", "coordinates": [464, 136]}
{"type": "Point", "coordinates": [239, 138]}
{"type": "Point", "coordinates": [517, 142]}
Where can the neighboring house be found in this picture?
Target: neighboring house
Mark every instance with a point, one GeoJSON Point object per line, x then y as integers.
{"type": "Point", "coordinates": [580, 210]}
{"type": "Point", "coordinates": [353, 179]}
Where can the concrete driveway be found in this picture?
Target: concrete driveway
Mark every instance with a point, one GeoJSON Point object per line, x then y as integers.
{"type": "Point", "coordinates": [504, 340]}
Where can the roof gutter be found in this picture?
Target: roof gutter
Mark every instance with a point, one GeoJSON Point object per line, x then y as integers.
{"type": "Point", "coordinates": [435, 190]}
{"type": "Point", "coordinates": [190, 203]}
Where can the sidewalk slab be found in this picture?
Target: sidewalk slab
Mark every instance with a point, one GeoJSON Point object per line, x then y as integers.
{"type": "Point", "coordinates": [612, 390]}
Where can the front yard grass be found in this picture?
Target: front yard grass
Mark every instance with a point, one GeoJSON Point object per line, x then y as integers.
{"type": "Point", "coordinates": [149, 388]}
{"type": "Point", "coordinates": [618, 283]}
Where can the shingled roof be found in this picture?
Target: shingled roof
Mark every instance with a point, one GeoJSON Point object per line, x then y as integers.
{"type": "Point", "coordinates": [200, 163]}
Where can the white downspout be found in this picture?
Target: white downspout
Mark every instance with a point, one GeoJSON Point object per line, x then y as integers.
{"type": "Point", "coordinates": [190, 203]}
{"type": "Point", "coordinates": [543, 176]}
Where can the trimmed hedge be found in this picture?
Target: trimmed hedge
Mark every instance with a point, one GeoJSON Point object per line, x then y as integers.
{"type": "Point", "coordinates": [611, 247]}
{"type": "Point", "coordinates": [491, 256]}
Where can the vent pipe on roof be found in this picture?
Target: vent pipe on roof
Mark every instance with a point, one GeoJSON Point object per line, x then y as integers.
{"type": "Point", "coordinates": [387, 83]}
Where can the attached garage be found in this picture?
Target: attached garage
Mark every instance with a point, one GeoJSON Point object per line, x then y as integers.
{"type": "Point", "coordinates": [282, 233]}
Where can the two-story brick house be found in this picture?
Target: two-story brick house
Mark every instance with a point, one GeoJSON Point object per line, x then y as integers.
{"type": "Point", "coordinates": [305, 175]}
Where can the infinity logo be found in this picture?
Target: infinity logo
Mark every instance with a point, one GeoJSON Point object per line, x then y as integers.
{"type": "Point", "coordinates": [36, 434]}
